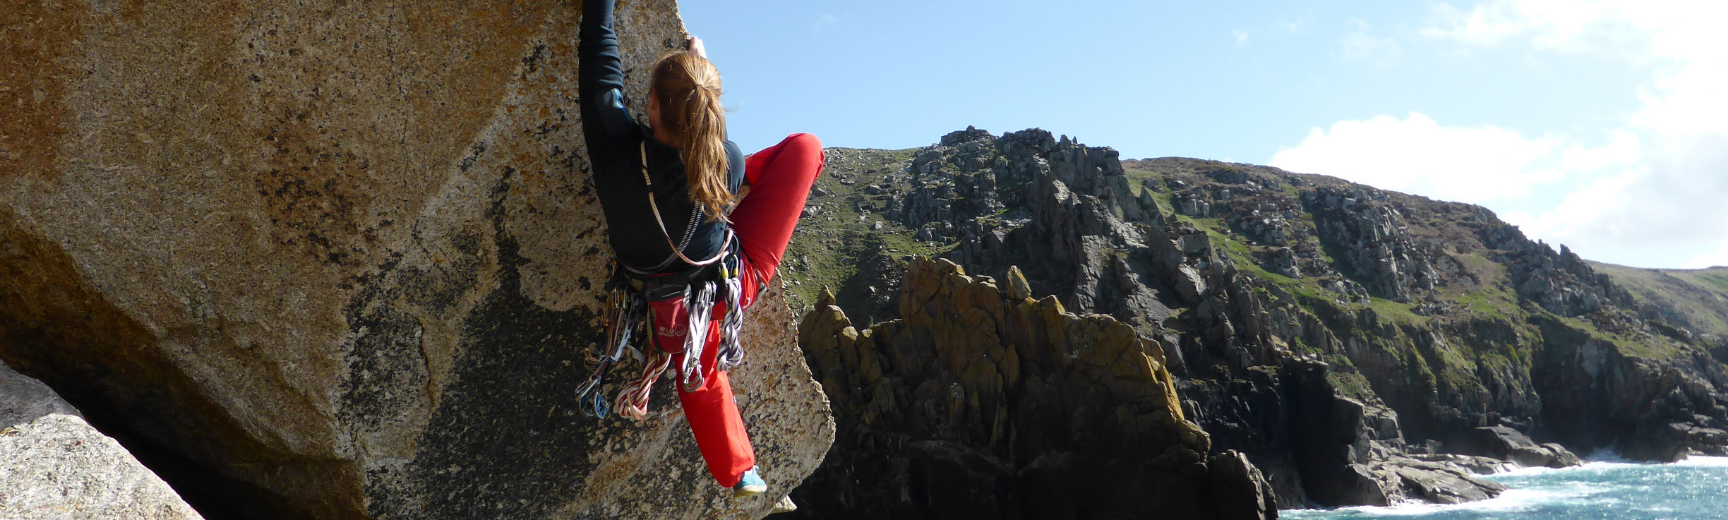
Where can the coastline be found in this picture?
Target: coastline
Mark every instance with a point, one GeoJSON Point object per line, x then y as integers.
{"type": "Point", "coordinates": [1539, 493]}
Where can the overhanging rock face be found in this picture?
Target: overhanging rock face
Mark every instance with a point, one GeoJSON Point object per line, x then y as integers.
{"type": "Point", "coordinates": [341, 258]}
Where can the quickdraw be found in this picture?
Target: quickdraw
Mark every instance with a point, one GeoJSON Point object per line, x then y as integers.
{"type": "Point", "coordinates": [625, 317]}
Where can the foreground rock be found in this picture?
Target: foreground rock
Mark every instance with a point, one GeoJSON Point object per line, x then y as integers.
{"type": "Point", "coordinates": [981, 404]}
{"type": "Point", "coordinates": [54, 465]}
{"type": "Point", "coordinates": [340, 260]}
{"type": "Point", "coordinates": [1436, 482]}
{"type": "Point", "coordinates": [1505, 443]}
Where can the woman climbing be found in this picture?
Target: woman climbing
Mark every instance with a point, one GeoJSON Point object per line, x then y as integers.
{"type": "Point", "coordinates": [665, 188]}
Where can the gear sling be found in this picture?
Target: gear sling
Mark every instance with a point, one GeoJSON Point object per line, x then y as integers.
{"type": "Point", "coordinates": [677, 304]}
{"type": "Point", "coordinates": [762, 224]}
{"type": "Point", "coordinates": [780, 177]}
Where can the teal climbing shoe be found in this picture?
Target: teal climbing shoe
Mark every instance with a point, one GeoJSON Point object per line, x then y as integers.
{"type": "Point", "coordinates": [750, 485]}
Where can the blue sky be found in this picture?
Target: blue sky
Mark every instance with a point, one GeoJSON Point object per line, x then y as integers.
{"type": "Point", "coordinates": [1599, 124]}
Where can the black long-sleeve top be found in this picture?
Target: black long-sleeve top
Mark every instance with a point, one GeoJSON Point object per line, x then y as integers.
{"type": "Point", "coordinates": [614, 139]}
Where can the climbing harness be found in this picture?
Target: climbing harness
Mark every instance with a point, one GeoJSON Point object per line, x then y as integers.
{"type": "Point", "coordinates": [667, 306]}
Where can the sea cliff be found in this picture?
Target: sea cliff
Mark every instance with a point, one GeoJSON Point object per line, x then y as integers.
{"type": "Point", "coordinates": [1356, 345]}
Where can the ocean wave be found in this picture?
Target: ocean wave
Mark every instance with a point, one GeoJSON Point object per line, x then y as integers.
{"type": "Point", "coordinates": [1605, 455]}
{"type": "Point", "coordinates": [1600, 464]}
{"type": "Point", "coordinates": [1591, 466]}
{"type": "Point", "coordinates": [1702, 461]}
{"type": "Point", "coordinates": [1599, 488]}
{"type": "Point", "coordinates": [1601, 459]}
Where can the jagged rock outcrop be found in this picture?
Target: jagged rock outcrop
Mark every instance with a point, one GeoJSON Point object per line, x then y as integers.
{"type": "Point", "coordinates": [1376, 242]}
{"type": "Point", "coordinates": [1028, 195]}
{"type": "Point", "coordinates": [54, 465]}
{"type": "Point", "coordinates": [1562, 283]}
{"type": "Point", "coordinates": [341, 260]}
{"type": "Point", "coordinates": [978, 404]}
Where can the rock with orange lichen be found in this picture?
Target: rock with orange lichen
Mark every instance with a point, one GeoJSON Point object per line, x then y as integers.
{"type": "Point", "coordinates": [336, 259]}
{"type": "Point", "coordinates": [978, 404]}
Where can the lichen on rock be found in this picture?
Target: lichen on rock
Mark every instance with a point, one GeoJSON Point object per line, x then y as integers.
{"type": "Point", "coordinates": [978, 404]}
{"type": "Point", "coordinates": [341, 260]}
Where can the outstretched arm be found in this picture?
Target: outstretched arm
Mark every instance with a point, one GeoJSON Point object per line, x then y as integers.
{"type": "Point", "coordinates": [601, 77]}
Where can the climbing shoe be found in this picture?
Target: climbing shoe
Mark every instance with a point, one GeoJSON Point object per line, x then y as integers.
{"type": "Point", "coordinates": [750, 485]}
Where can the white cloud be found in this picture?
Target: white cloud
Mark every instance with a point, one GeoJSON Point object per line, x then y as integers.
{"type": "Point", "coordinates": [1656, 212]}
{"type": "Point", "coordinates": [1417, 155]}
{"type": "Point", "coordinates": [1370, 49]}
{"type": "Point", "coordinates": [1485, 26]}
{"type": "Point", "coordinates": [1615, 202]}
{"type": "Point", "coordinates": [1570, 25]}
{"type": "Point", "coordinates": [1241, 37]}
{"type": "Point", "coordinates": [1693, 98]}
{"type": "Point", "coordinates": [1578, 217]}
{"type": "Point", "coordinates": [1655, 195]}
{"type": "Point", "coordinates": [824, 21]}
{"type": "Point", "coordinates": [1712, 259]}
{"type": "Point", "coordinates": [1687, 95]}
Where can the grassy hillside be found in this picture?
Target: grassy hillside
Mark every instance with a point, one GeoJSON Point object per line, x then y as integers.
{"type": "Point", "coordinates": [1694, 298]}
{"type": "Point", "coordinates": [838, 244]}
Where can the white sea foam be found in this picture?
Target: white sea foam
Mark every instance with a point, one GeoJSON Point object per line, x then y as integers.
{"type": "Point", "coordinates": [1605, 484]}
{"type": "Point", "coordinates": [1702, 461]}
{"type": "Point", "coordinates": [1520, 471]}
{"type": "Point", "coordinates": [1605, 455]}
{"type": "Point", "coordinates": [1590, 466]}
{"type": "Point", "coordinates": [1599, 460]}
{"type": "Point", "coordinates": [1512, 500]}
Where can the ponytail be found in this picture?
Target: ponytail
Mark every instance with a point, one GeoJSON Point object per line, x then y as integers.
{"type": "Point", "coordinates": [687, 86]}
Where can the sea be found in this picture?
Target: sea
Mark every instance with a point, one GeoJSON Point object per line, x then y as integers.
{"type": "Point", "coordinates": [1694, 488]}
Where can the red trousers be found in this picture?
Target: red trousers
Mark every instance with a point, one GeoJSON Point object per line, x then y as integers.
{"type": "Point", "coordinates": [779, 177]}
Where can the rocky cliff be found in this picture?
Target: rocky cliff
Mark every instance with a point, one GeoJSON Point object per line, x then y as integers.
{"type": "Point", "coordinates": [1358, 346]}
{"type": "Point", "coordinates": [985, 403]}
{"type": "Point", "coordinates": [341, 260]}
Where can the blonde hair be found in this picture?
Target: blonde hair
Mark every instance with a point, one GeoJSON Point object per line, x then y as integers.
{"type": "Point", "coordinates": [687, 86]}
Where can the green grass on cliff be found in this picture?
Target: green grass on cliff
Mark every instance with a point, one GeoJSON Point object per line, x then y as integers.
{"type": "Point", "coordinates": [1241, 253]}
{"type": "Point", "coordinates": [1450, 366]}
{"type": "Point", "coordinates": [1138, 175]}
{"type": "Point", "coordinates": [1697, 298]}
{"type": "Point", "coordinates": [1714, 278]}
{"type": "Point", "coordinates": [1493, 303]}
{"type": "Point", "coordinates": [838, 240]}
{"type": "Point", "coordinates": [1352, 384]}
{"type": "Point", "coordinates": [1491, 298]}
{"type": "Point", "coordinates": [1631, 345]}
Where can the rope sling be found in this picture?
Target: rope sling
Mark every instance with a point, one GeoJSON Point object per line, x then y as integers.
{"type": "Point", "coordinates": [628, 311]}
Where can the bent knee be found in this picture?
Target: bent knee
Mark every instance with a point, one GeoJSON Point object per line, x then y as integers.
{"type": "Point", "coordinates": [804, 141]}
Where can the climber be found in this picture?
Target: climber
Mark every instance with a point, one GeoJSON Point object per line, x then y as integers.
{"type": "Point", "coordinates": [682, 234]}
